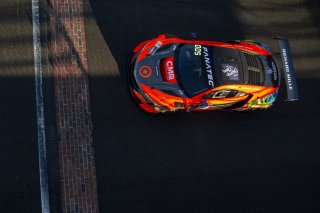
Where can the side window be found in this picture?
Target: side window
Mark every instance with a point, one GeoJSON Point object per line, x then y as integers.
{"type": "Point", "coordinates": [223, 94]}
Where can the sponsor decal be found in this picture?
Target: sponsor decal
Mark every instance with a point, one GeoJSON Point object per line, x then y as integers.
{"type": "Point", "coordinates": [231, 72]}
{"type": "Point", "coordinates": [158, 44]}
{"type": "Point", "coordinates": [167, 70]}
{"type": "Point", "coordinates": [275, 74]}
{"type": "Point", "coordinates": [145, 72]}
{"type": "Point", "coordinates": [287, 69]}
{"type": "Point", "coordinates": [154, 49]}
{"type": "Point", "coordinates": [208, 66]}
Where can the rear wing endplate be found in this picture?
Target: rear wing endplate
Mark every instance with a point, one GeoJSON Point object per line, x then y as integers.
{"type": "Point", "coordinates": [289, 72]}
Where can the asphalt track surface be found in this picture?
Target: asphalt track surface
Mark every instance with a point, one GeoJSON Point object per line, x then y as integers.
{"type": "Point", "coordinates": [208, 161]}
{"type": "Point", "coordinates": [201, 162]}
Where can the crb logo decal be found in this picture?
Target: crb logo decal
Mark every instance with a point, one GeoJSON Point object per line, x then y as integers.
{"type": "Point", "coordinates": [208, 66]}
{"type": "Point", "coordinates": [145, 72]}
{"type": "Point", "coordinates": [230, 71]}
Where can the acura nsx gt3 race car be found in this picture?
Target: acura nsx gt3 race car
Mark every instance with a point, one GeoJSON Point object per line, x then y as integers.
{"type": "Point", "coordinates": [168, 74]}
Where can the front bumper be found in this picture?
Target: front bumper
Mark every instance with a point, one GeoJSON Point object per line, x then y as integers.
{"type": "Point", "coordinates": [141, 98]}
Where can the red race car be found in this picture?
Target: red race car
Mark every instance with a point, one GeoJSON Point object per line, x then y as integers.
{"type": "Point", "coordinates": [169, 74]}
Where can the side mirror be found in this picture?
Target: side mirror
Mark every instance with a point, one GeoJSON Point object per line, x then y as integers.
{"type": "Point", "coordinates": [162, 36]}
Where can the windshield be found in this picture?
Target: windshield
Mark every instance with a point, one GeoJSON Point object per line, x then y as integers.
{"type": "Point", "coordinates": [194, 68]}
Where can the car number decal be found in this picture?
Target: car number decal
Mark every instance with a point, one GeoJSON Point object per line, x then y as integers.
{"type": "Point", "coordinates": [197, 49]}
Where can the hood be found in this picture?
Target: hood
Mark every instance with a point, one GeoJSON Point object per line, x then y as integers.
{"type": "Point", "coordinates": [157, 71]}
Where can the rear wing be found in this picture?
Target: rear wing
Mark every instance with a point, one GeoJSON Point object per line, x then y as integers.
{"type": "Point", "coordinates": [289, 72]}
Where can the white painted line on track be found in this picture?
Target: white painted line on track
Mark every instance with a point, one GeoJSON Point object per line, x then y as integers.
{"type": "Point", "coordinates": [40, 109]}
